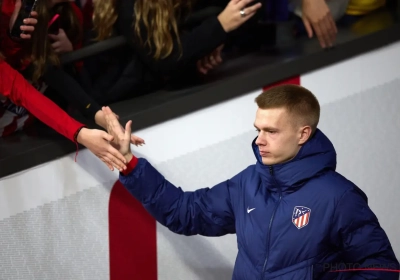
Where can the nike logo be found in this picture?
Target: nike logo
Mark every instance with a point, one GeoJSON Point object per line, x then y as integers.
{"type": "Point", "coordinates": [249, 210]}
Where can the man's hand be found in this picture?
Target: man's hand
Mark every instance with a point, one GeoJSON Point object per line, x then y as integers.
{"type": "Point", "coordinates": [122, 137]}
{"type": "Point", "coordinates": [317, 16]}
{"type": "Point", "coordinates": [61, 42]}
{"type": "Point", "coordinates": [100, 119]}
{"type": "Point", "coordinates": [29, 23]}
{"type": "Point", "coordinates": [98, 142]}
{"type": "Point", "coordinates": [211, 61]}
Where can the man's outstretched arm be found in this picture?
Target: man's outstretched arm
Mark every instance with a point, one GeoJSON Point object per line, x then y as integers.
{"type": "Point", "coordinates": [206, 211]}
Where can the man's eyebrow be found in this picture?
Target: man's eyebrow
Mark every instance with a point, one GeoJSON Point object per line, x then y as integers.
{"type": "Point", "coordinates": [266, 128]}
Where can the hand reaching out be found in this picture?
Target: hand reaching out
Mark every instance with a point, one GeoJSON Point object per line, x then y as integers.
{"type": "Point", "coordinates": [100, 119]}
{"type": "Point", "coordinates": [98, 142]}
{"type": "Point", "coordinates": [317, 16]}
{"type": "Point", "coordinates": [122, 137]}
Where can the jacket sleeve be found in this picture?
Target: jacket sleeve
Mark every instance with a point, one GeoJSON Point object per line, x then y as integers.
{"type": "Point", "coordinates": [68, 88]}
{"type": "Point", "coordinates": [206, 211]}
{"type": "Point", "coordinates": [20, 92]}
{"type": "Point", "coordinates": [364, 244]}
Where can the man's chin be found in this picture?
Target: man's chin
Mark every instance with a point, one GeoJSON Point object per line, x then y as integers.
{"type": "Point", "coordinates": [269, 161]}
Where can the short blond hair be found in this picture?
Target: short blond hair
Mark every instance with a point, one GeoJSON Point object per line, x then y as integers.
{"type": "Point", "coordinates": [297, 100]}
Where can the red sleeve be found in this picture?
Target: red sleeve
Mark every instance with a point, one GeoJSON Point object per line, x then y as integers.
{"type": "Point", "coordinates": [130, 166]}
{"type": "Point", "coordinates": [12, 50]}
{"type": "Point", "coordinates": [18, 90]}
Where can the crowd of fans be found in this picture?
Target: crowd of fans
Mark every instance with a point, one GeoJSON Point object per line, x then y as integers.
{"type": "Point", "coordinates": [164, 46]}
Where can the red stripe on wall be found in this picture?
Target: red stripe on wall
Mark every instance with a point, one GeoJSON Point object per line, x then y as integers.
{"type": "Point", "coordinates": [293, 80]}
{"type": "Point", "coordinates": [133, 240]}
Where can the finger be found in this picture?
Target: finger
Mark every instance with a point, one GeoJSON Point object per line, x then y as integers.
{"type": "Point", "coordinates": [308, 27]}
{"type": "Point", "coordinates": [319, 34]}
{"type": "Point", "coordinates": [332, 23]}
{"type": "Point", "coordinates": [213, 60]}
{"type": "Point", "coordinates": [244, 3]}
{"type": "Point", "coordinates": [116, 154]}
{"type": "Point", "coordinates": [248, 16]}
{"type": "Point", "coordinates": [53, 37]}
{"type": "Point", "coordinates": [116, 158]}
{"type": "Point", "coordinates": [207, 63]}
{"type": "Point", "coordinates": [27, 28]}
{"type": "Point", "coordinates": [56, 45]}
{"type": "Point", "coordinates": [201, 68]}
{"type": "Point", "coordinates": [34, 14]}
{"type": "Point", "coordinates": [332, 28]}
{"type": "Point", "coordinates": [107, 136]}
{"type": "Point", "coordinates": [137, 140]}
{"type": "Point", "coordinates": [250, 11]}
{"type": "Point", "coordinates": [25, 36]}
{"type": "Point", "coordinates": [113, 161]}
{"type": "Point", "coordinates": [112, 121]}
{"type": "Point", "coordinates": [218, 58]}
{"type": "Point", "coordinates": [106, 162]}
{"type": "Point", "coordinates": [217, 55]}
{"type": "Point", "coordinates": [329, 34]}
{"type": "Point", "coordinates": [128, 129]}
{"type": "Point", "coordinates": [30, 21]}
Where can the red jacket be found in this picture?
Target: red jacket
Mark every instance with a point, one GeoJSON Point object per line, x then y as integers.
{"type": "Point", "coordinates": [19, 91]}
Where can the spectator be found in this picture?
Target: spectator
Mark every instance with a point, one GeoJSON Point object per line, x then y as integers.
{"type": "Point", "coordinates": [160, 49]}
{"type": "Point", "coordinates": [318, 18]}
{"type": "Point", "coordinates": [38, 60]}
{"type": "Point", "coordinates": [14, 87]}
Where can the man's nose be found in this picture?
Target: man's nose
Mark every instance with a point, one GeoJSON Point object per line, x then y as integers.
{"type": "Point", "coordinates": [260, 141]}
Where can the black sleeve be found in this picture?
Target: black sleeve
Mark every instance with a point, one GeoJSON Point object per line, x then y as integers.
{"type": "Point", "coordinates": [71, 91]}
{"type": "Point", "coordinates": [195, 44]}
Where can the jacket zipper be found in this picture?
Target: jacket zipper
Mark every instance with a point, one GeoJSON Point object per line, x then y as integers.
{"type": "Point", "coordinates": [271, 171]}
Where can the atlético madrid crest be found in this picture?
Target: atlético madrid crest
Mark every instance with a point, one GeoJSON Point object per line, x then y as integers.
{"type": "Point", "coordinates": [301, 216]}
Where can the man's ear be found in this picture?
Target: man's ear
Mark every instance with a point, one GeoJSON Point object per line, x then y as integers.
{"type": "Point", "coordinates": [305, 134]}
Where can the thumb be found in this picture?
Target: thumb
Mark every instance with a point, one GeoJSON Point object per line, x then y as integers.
{"type": "Point", "coordinates": [128, 129]}
{"type": "Point", "coordinates": [107, 136]}
{"type": "Point", "coordinates": [308, 27]}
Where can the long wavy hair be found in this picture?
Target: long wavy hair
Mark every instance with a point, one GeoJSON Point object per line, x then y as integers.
{"type": "Point", "coordinates": [159, 18]}
{"type": "Point", "coordinates": [41, 51]}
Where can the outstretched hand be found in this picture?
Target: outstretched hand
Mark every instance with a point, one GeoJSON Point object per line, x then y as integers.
{"type": "Point", "coordinates": [122, 137]}
{"type": "Point", "coordinates": [98, 142]}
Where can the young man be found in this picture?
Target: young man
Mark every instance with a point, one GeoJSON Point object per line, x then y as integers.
{"type": "Point", "coordinates": [294, 216]}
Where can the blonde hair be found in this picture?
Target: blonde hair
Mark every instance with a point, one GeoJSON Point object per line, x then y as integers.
{"type": "Point", "coordinates": [104, 18]}
{"type": "Point", "coordinates": [155, 18]}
